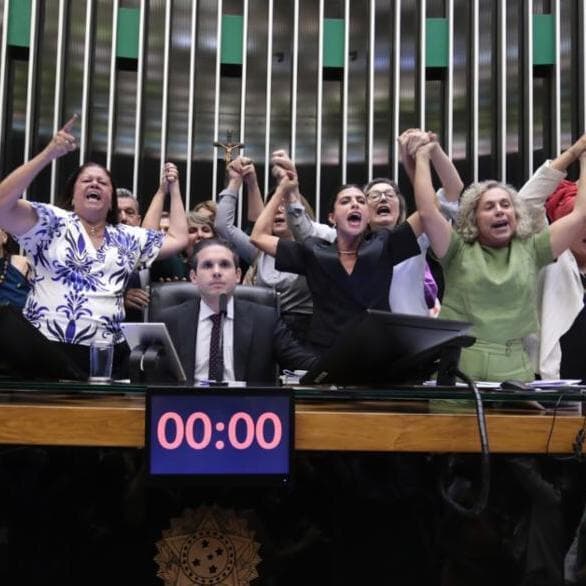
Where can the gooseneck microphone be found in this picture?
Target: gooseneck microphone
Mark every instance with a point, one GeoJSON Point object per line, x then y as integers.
{"type": "Point", "coordinates": [223, 305]}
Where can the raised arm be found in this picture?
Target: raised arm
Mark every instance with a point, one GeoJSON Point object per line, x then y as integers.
{"type": "Point", "coordinates": [436, 227]}
{"type": "Point", "coordinates": [152, 218]}
{"type": "Point", "coordinates": [226, 212]}
{"type": "Point", "coordinates": [447, 172]}
{"type": "Point", "coordinates": [298, 220]}
{"type": "Point", "coordinates": [176, 237]}
{"type": "Point", "coordinates": [262, 236]}
{"type": "Point", "coordinates": [547, 178]}
{"type": "Point", "coordinates": [17, 216]}
{"type": "Point", "coordinates": [563, 161]}
{"type": "Point", "coordinates": [410, 140]}
{"type": "Point", "coordinates": [567, 229]}
{"type": "Point", "coordinates": [255, 204]}
{"type": "Point", "coordinates": [406, 158]}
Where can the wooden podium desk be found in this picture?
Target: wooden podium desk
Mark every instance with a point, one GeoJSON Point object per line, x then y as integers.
{"type": "Point", "coordinates": [397, 421]}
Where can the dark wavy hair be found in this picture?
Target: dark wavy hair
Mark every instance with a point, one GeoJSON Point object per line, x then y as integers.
{"type": "Point", "coordinates": [334, 197]}
{"type": "Point", "coordinates": [67, 202]}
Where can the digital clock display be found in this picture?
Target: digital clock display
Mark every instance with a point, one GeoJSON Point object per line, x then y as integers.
{"type": "Point", "coordinates": [208, 434]}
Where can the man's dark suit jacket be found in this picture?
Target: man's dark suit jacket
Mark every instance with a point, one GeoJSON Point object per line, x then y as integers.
{"type": "Point", "coordinates": [261, 340]}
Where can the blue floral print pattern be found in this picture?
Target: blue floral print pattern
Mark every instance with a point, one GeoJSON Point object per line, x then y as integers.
{"type": "Point", "coordinates": [76, 294]}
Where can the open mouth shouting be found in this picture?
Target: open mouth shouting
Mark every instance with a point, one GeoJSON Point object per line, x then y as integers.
{"type": "Point", "coordinates": [93, 194]}
{"type": "Point", "coordinates": [500, 225]}
{"type": "Point", "coordinates": [354, 219]}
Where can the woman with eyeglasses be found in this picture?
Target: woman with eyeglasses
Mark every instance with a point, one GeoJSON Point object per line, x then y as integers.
{"type": "Point", "coordinates": [413, 289]}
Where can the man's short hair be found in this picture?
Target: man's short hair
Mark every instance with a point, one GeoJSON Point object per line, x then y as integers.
{"type": "Point", "coordinates": [213, 242]}
{"type": "Point", "coordinates": [123, 192]}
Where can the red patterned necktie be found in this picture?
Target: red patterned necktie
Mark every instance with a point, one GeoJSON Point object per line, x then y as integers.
{"type": "Point", "coordinates": [216, 361]}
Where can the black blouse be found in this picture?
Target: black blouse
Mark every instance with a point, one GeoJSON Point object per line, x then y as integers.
{"type": "Point", "coordinates": [337, 295]}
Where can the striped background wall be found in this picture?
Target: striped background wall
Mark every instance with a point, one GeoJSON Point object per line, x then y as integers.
{"type": "Point", "coordinates": [334, 82]}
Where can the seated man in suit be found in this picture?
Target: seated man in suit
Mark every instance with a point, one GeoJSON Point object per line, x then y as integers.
{"type": "Point", "coordinates": [253, 337]}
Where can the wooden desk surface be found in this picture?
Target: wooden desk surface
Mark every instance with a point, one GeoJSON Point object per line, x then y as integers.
{"type": "Point", "coordinates": [400, 426]}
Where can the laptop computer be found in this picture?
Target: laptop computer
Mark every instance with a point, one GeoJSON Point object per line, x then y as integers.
{"type": "Point", "coordinates": [142, 336]}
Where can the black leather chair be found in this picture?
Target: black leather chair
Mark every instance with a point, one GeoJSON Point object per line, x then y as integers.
{"type": "Point", "coordinates": [165, 295]}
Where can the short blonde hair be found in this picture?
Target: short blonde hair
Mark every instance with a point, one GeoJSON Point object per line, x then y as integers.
{"type": "Point", "coordinates": [466, 224]}
{"type": "Point", "coordinates": [207, 205]}
{"type": "Point", "coordinates": [195, 218]}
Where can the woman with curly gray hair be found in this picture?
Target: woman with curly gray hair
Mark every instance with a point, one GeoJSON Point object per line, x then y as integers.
{"type": "Point", "coordinates": [491, 261]}
{"type": "Point", "coordinates": [466, 223]}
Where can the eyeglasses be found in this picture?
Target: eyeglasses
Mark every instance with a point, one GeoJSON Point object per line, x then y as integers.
{"type": "Point", "coordinates": [375, 196]}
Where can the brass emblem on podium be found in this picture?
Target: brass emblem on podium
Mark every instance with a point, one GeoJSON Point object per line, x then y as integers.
{"type": "Point", "coordinates": [208, 546]}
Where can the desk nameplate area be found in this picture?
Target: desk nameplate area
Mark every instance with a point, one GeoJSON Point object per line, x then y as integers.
{"type": "Point", "coordinates": [399, 423]}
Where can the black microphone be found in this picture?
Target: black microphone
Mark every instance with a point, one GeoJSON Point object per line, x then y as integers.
{"type": "Point", "coordinates": [223, 304]}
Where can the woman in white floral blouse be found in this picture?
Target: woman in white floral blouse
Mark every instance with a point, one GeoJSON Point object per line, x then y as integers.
{"type": "Point", "coordinates": [81, 256]}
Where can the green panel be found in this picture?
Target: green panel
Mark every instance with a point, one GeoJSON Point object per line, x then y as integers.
{"type": "Point", "coordinates": [128, 31]}
{"type": "Point", "coordinates": [543, 39]}
{"type": "Point", "coordinates": [333, 42]}
{"type": "Point", "coordinates": [436, 42]}
{"type": "Point", "coordinates": [232, 39]}
{"type": "Point", "coordinates": [19, 23]}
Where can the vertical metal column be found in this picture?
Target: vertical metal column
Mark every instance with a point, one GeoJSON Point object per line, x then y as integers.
{"type": "Point", "coordinates": [30, 89]}
{"type": "Point", "coordinates": [449, 138]}
{"type": "Point", "coordinates": [582, 67]}
{"type": "Point", "coordinates": [87, 70]}
{"type": "Point", "coordinates": [557, 120]}
{"type": "Point", "coordinates": [112, 89]}
{"type": "Point", "coordinates": [318, 141]}
{"type": "Point", "coordinates": [474, 114]}
{"type": "Point", "coordinates": [31, 78]}
{"type": "Point", "coordinates": [268, 96]}
{"type": "Point", "coordinates": [295, 73]}
{"type": "Point", "coordinates": [501, 143]}
{"type": "Point", "coordinates": [191, 104]}
{"type": "Point", "coordinates": [58, 101]}
{"type": "Point", "coordinates": [345, 89]}
{"type": "Point", "coordinates": [370, 90]}
{"type": "Point", "coordinates": [421, 64]}
{"type": "Point", "coordinates": [139, 95]}
{"type": "Point", "coordinates": [243, 94]}
{"type": "Point", "coordinates": [528, 89]}
{"type": "Point", "coordinates": [396, 71]}
{"type": "Point", "coordinates": [165, 93]}
{"type": "Point", "coordinates": [217, 98]}
{"type": "Point", "coordinates": [3, 67]}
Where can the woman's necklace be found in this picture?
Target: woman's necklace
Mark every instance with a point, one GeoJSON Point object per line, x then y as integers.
{"type": "Point", "coordinates": [353, 252]}
{"type": "Point", "coordinates": [93, 230]}
{"type": "Point", "coordinates": [6, 260]}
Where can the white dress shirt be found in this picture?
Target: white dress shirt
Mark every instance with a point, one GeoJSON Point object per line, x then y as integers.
{"type": "Point", "coordinates": [202, 343]}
